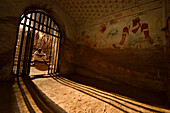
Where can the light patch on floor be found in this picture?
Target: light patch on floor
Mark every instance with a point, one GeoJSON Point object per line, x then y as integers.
{"type": "Point", "coordinates": [34, 71]}
{"type": "Point", "coordinates": [77, 98]}
{"type": "Point", "coordinates": [39, 69]}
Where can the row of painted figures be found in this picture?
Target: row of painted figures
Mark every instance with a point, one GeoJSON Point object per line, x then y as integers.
{"type": "Point", "coordinates": [137, 32]}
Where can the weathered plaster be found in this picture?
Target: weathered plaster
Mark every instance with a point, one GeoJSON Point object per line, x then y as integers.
{"type": "Point", "coordinates": [138, 61]}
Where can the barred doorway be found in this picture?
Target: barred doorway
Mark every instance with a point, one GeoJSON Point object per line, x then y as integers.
{"type": "Point", "coordinates": [36, 31]}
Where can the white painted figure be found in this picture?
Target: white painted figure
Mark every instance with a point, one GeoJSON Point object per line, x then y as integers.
{"type": "Point", "coordinates": [40, 56]}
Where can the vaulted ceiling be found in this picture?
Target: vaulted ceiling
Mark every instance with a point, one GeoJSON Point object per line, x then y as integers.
{"type": "Point", "coordinates": [82, 11]}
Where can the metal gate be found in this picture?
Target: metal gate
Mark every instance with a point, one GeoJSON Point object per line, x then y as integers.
{"type": "Point", "coordinates": [32, 24]}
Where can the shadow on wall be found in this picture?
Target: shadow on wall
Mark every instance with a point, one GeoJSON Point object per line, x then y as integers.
{"type": "Point", "coordinates": [142, 68]}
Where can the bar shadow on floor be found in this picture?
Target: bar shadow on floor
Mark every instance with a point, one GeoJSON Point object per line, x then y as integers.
{"type": "Point", "coordinates": [13, 98]}
{"type": "Point", "coordinates": [42, 100]}
{"type": "Point", "coordinates": [39, 76]}
{"type": "Point", "coordinates": [133, 93]}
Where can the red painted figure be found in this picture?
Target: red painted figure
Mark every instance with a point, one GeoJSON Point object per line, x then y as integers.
{"type": "Point", "coordinates": [136, 26]}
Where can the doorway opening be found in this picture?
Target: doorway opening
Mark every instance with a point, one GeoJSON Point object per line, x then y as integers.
{"type": "Point", "coordinates": [37, 45]}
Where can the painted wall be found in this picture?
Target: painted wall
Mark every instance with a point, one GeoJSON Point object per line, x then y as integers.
{"type": "Point", "coordinates": [127, 46]}
{"type": "Point", "coordinates": [9, 19]}
{"type": "Point", "coordinates": [138, 27]}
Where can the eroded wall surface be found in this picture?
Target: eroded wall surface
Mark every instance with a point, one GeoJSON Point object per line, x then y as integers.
{"type": "Point", "coordinates": [167, 32]}
{"type": "Point", "coordinates": [127, 46]}
{"type": "Point", "coordinates": [9, 19]}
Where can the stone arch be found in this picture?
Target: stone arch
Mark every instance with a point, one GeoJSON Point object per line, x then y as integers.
{"type": "Point", "coordinates": [31, 23]}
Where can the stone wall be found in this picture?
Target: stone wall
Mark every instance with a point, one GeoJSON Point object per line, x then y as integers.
{"type": "Point", "coordinates": [140, 68]}
{"type": "Point", "coordinates": [137, 27]}
{"type": "Point", "coordinates": [167, 12]}
{"type": "Point", "coordinates": [9, 19]}
{"type": "Point", "coordinates": [127, 46]}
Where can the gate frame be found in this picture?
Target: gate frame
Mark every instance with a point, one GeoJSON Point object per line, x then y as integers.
{"type": "Point", "coordinates": [55, 28]}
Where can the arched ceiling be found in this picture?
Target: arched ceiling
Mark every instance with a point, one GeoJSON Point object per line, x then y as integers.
{"type": "Point", "coordinates": [82, 11]}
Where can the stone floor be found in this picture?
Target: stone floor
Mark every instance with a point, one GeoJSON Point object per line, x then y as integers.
{"type": "Point", "coordinates": [77, 98]}
{"type": "Point", "coordinates": [70, 96]}
{"type": "Point", "coordinates": [39, 69]}
{"type": "Point", "coordinates": [15, 98]}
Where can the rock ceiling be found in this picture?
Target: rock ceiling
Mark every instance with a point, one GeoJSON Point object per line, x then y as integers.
{"type": "Point", "coordinates": [82, 11]}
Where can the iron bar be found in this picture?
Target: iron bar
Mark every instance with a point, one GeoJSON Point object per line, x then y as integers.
{"type": "Point", "coordinates": [53, 54]}
{"type": "Point", "coordinates": [15, 49]}
{"type": "Point", "coordinates": [23, 32]}
{"type": "Point", "coordinates": [39, 19]}
{"type": "Point", "coordinates": [32, 41]}
{"type": "Point", "coordinates": [42, 31]}
{"type": "Point", "coordinates": [47, 24]}
{"type": "Point", "coordinates": [43, 23]}
{"type": "Point", "coordinates": [49, 67]}
{"type": "Point", "coordinates": [50, 49]}
{"type": "Point", "coordinates": [26, 47]}
{"type": "Point", "coordinates": [58, 53]}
